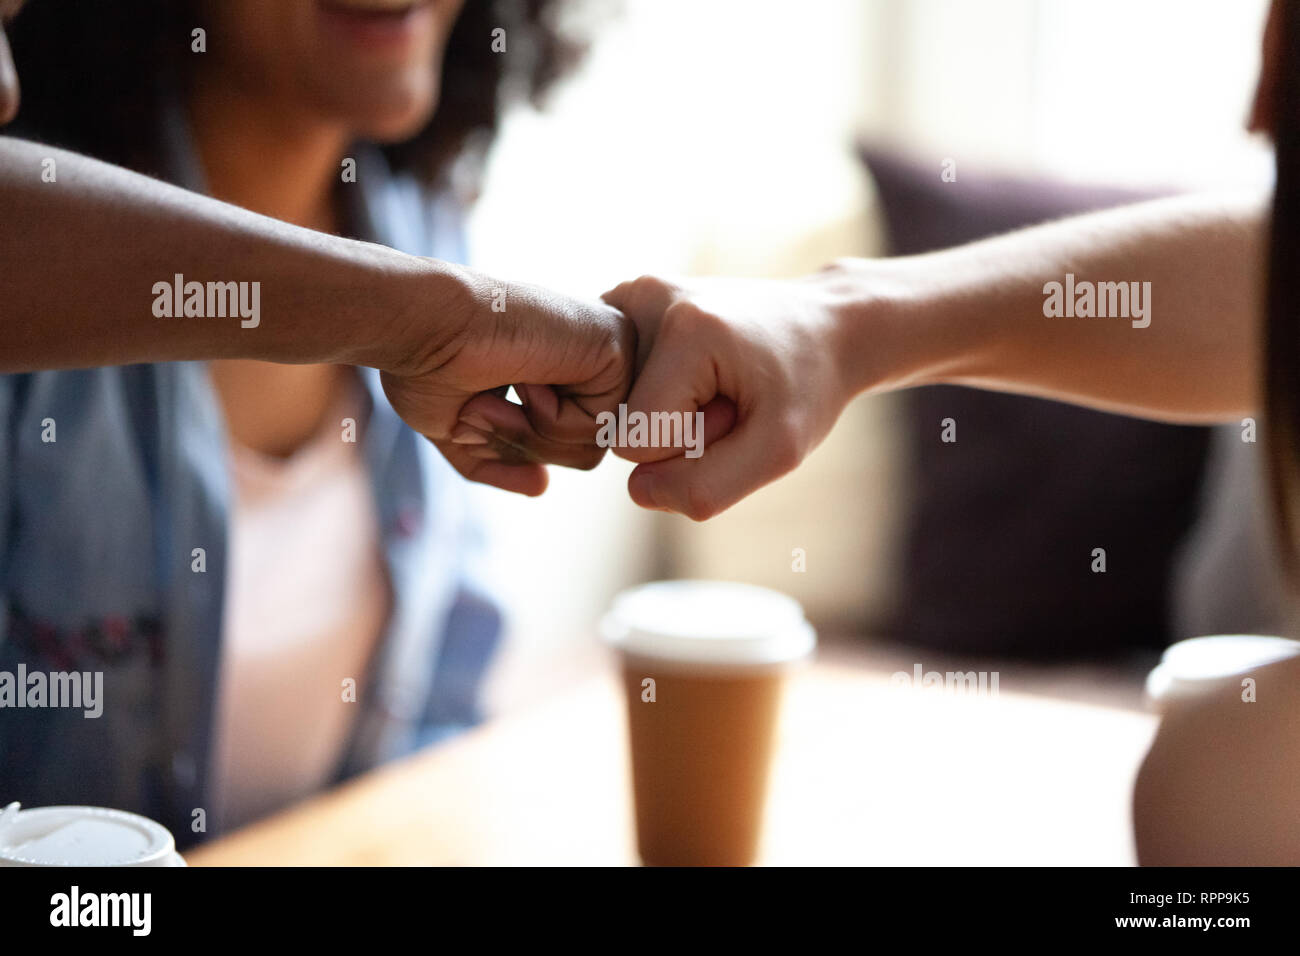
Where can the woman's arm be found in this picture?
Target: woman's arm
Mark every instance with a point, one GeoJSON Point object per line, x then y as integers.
{"type": "Point", "coordinates": [89, 261]}
{"type": "Point", "coordinates": [1186, 348]}
{"type": "Point", "coordinates": [790, 354]}
{"type": "Point", "coordinates": [82, 255]}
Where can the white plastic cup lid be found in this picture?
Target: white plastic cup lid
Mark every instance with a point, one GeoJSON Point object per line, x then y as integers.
{"type": "Point", "coordinates": [1198, 665]}
{"type": "Point", "coordinates": [85, 836]}
{"type": "Point", "coordinates": [709, 622]}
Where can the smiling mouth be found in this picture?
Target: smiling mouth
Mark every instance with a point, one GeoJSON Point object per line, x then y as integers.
{"type": "Point", "coordinates": [374, 8]}
{"type": "Point", "coordinates": [382, 26]}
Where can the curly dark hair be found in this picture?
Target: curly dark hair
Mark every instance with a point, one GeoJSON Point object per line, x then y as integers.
{"type": "Point", "coordinates": [94, 73]}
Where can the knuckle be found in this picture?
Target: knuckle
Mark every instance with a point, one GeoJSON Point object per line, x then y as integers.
{"type": "Point", "coordinates": [620, 347]}
{"type": "Point", "coordinates": [700, 503]}
{"type": "Point", "coordinates": [645, 288]}
{"type": "Point", "coordinates": [684, 317]}
{"type": "Point", "coordinates": [648, 282]}
{"type": "Point", "coordinates": [549, 433]}
{"type": "Point", "coordinates": [590, 459]}
{"type": "Point", "coordinates": [785, 458]}
{"type": "Point", "coordinates": [552, 431]}
{"type": "Point", "coordinates": [785, 449]}
{"type": "Point", "coordinates": [680, 312]}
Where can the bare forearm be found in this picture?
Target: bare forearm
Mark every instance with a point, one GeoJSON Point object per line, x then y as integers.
{"type": "Point", "coordinates": [84, 261]}
{"type": "Point", "coordinates": [975, 315]}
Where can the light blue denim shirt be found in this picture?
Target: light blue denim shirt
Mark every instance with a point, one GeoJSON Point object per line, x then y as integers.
{"type": "Point", "coordinates": [97, 535]}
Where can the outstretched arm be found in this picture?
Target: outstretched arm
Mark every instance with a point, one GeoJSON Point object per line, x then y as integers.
{"type": "Point", "coordinates": [82, 255]}
{"type": "Point", "coordinates": [86, 262]}
{"type": "Point", "coordinates": [1185, 349]}
{"type": "Point", "coordinates": [773, 363]}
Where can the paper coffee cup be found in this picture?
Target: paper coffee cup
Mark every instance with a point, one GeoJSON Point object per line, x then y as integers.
{"type": "Point", "coordinates": [703, 664]}
{"type": "Point", "coordinates": [1200, 666]}
{"type": "Point", "coordinates": [84, 836]}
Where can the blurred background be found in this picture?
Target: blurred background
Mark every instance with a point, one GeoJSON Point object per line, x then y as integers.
{"type": "Point", "coordinates": [761, 138]}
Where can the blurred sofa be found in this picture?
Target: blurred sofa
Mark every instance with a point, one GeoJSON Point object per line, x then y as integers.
{"type": "Point", "coordinates": [998, 528]}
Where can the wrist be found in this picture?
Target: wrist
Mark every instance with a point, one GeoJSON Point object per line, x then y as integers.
{"type": "Point", "coordinates": [339, 301]}
{"type": "Point", "coordinates": [865, 334]}
{"type": "Point", "coordinates": [887, 334]}
{"type": "Point", "coordinates": [418, 310]}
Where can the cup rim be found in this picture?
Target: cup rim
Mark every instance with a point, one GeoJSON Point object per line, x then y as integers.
{"type": "Point", "coordinates": [1198, 665]}
{"type": "Point", "coordinates": [769, 627]}
{"type": "Point", "coordinates": [160, 848]}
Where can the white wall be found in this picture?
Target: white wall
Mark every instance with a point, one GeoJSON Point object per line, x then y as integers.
{"type": "Point", "coordinates": [1139, 91]}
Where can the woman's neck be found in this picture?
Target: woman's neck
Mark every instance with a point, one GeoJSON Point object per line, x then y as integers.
{"type": "Point", "coordinates": [254, 154]}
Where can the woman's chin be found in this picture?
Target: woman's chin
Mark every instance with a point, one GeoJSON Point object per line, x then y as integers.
{"type": "Point", "coordinates": [395, 130]}
{"type": "Point", "coordinates": [393, 121]}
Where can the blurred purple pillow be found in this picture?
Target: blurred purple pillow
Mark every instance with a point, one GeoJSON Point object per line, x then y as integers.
{"type": "Point", "coordinates": [1000, 526]}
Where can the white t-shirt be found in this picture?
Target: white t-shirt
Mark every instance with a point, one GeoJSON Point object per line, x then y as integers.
{"type": "Point", "coordinates": [306, 601]}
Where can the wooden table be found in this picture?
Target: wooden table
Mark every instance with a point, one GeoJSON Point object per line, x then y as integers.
{"type": "Point", "coordinates": [867, 772]}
